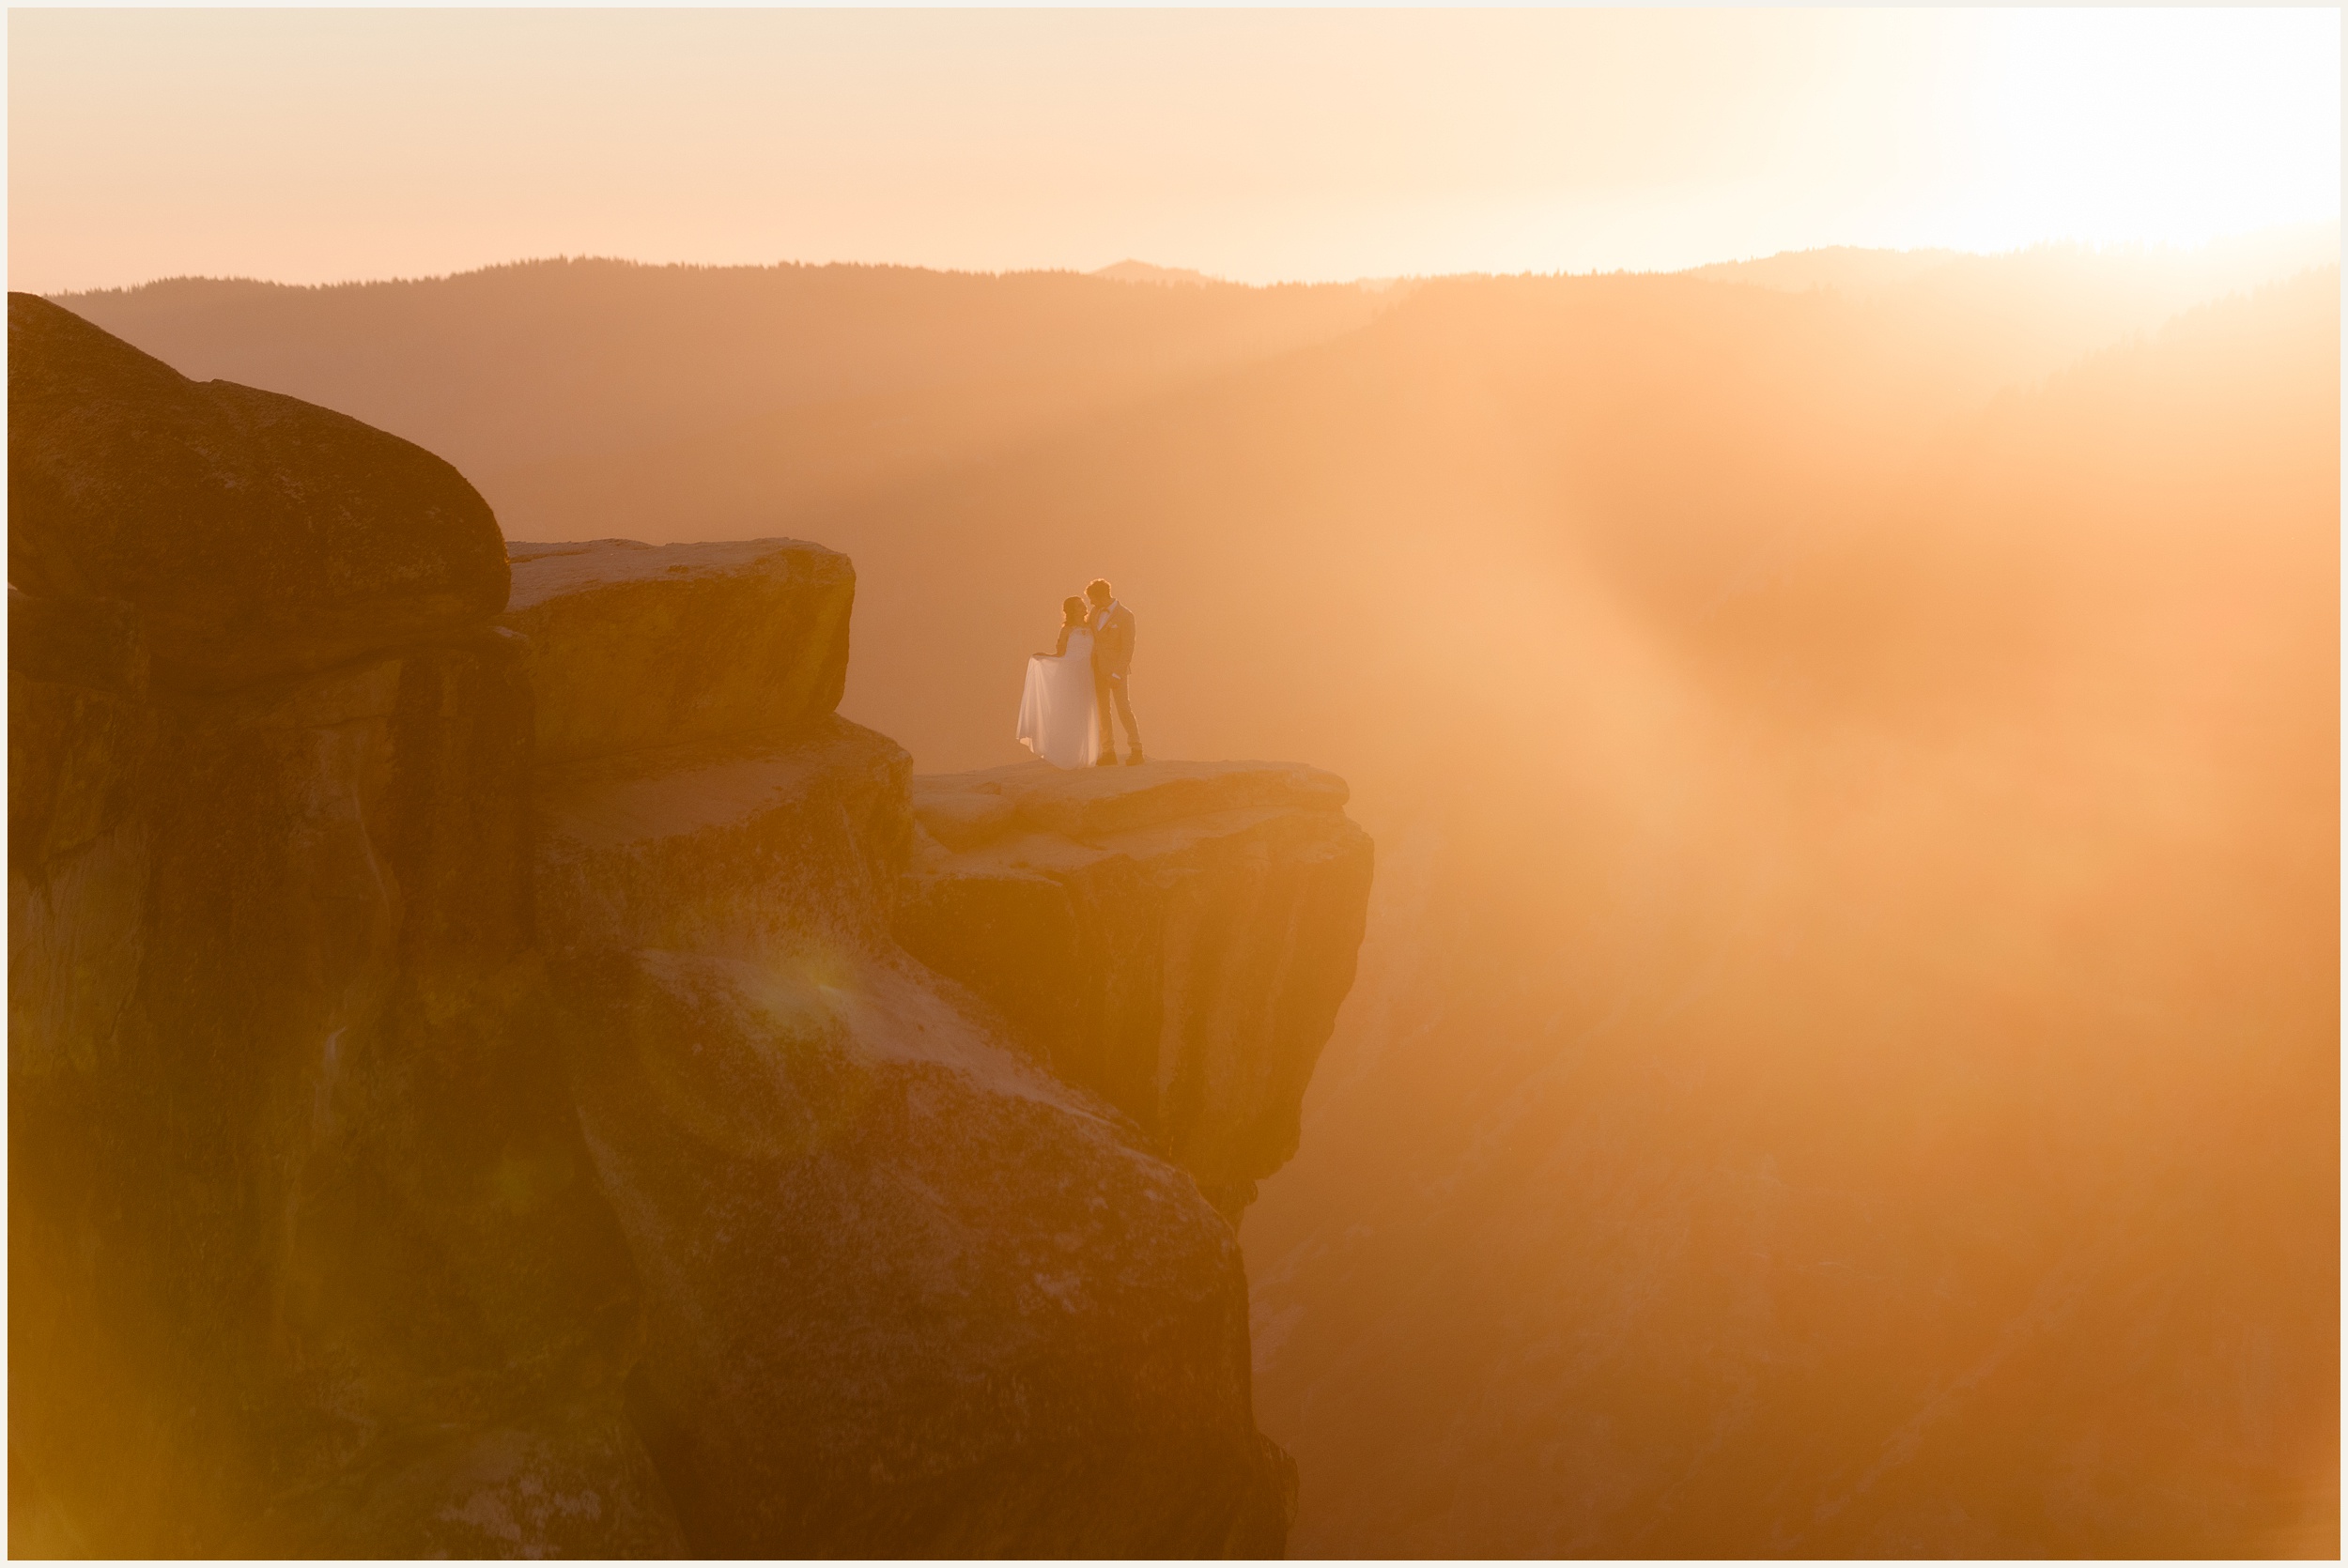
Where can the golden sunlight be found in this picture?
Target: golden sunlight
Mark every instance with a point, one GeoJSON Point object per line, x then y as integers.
{"type": "Point", "coordinates": [1726, 944]}
{"type": "Point", "coordinates": [2172, 126]}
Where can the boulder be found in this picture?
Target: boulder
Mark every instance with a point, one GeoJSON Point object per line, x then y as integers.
{"type": "Point", "coordinates": [1175, 937]}
{"type": "Point", "coordinates": [909, 1295]}
{"type": "Point", "coordinates": [634, 646]}
{"type": "Point", "coordinates": [254, 534]}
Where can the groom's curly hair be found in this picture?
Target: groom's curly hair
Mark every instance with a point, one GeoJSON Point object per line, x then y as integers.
{"type": "Point", "coordinates": [1098, 590]}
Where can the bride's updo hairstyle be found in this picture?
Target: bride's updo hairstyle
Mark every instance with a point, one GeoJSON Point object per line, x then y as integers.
{"type": "Point", "coordinates": [1073, 608]}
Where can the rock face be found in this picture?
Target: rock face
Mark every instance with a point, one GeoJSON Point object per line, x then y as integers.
{"type": "Point", "coordinates": [305, 1252]}
{"type": "Point", "coordinates": [254, 534]}
{"type": "Point", "coordinates": [467, 1093]}
{"type": "Point", "coordinates": [911, 1298]}
{"type": "Point", "coordinates": [1175, 938]}
{"type": "Point", "coordinates": [633, 645]}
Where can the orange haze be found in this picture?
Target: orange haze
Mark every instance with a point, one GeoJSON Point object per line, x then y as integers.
{"type": "Point", "coordinates": [1846, 1059]}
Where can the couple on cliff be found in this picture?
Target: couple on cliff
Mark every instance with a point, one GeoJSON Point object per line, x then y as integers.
{"type": "Point", "coordinates": [1064, 711]}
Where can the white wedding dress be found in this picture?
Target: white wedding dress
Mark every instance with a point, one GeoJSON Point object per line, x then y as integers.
{"type": "Point", "coordinates": [1057, 718]}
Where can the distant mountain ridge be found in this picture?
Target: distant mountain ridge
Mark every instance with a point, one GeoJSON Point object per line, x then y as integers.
{"type": "Point", "coordinates": [579, 361]}
{"type": "Point", "coordinates": [593, 396]}
{"type": "Point", "coordinates": [1131, 271]}
{"type": "Point", "coordinates": [2222, 267]}
{"type": "Point", "coordinates": [1830, 266]}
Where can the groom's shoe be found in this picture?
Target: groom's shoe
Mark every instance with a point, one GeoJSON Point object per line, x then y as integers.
{"type": "Point", "coordinates": [1134, 761]}
{"type": "Point", "coordinates": [1107, 760]}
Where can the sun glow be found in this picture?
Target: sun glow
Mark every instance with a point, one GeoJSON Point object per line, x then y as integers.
{"type": "Point", "coordinates": [2172, 126]}
{"type": "Point", "coordinates": [1257, 147]}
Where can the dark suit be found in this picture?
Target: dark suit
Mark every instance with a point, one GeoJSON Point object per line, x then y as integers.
{"type": "Point", "coordinates": [1112, 666]}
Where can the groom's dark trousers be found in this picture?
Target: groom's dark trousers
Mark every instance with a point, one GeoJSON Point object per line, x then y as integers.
{"type": "Point", "coordinates": [1105, 689]}
{"type": "Point", "coordinates": [1112, 670]}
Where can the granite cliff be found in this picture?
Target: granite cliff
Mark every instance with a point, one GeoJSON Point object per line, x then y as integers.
{"type": "Point", "coordinates": [498, 1066]}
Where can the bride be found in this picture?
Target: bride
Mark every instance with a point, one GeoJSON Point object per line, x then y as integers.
{"type": "Point", "coordinates": [1057, 718]}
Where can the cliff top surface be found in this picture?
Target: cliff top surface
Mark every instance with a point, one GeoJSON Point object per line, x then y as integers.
{"type": "Point", "coordinates": [969, 810]}
{"type": "Point", "coordinates": [543, 571]}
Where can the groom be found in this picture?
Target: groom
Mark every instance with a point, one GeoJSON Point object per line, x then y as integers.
{"type": "Point", "coordinates": [1112, 664]}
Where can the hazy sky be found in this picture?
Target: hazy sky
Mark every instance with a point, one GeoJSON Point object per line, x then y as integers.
{"type": "Point", "coordinates": [317, 146]}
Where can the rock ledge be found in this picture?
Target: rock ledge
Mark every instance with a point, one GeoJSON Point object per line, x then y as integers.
{"type": "Point", "coordinates": [1176, 937]}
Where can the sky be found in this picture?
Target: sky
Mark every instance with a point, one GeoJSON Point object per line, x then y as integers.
{"type": "Point", "coordinates": [327, 146]}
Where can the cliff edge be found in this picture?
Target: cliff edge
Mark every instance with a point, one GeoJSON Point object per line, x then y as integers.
{"type": "Point", "coordinates": [476, 1088]}
{"type": "Point", "coordinates": [910, 1291]}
